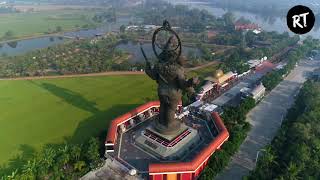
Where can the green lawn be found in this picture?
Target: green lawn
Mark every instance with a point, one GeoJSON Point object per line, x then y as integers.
{"type": "Point", "coordinates": [204, 72]}
{"type": "Point", "coordinates": [35, 23]}
{"type": "Point", "coordinates": [38, 112]}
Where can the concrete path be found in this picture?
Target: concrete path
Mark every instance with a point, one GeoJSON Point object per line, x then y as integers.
{"type": "Point", "coordinates": [266, 119]}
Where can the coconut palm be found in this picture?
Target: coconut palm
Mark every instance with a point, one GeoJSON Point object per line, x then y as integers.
{"type": "Point", "coordinates": [29, 170]}
{"type": "Point", "coordinates": [75, 152]}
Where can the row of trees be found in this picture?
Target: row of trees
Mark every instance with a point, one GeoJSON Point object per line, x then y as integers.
{"type": "Point", "coordinates": [235, 62]}
{"type": "Point", "coordinates": [237, 58]}
{"type": "Point", "coordinates": [62, 161]}
{"type": "Point", "coordinates": [195, 20]}
{"type": "Point", "coordinates": [276, 41]}
{"type": "Point", "coordinates": [7, 35]}
{"type": "Point", "coordinates": [107, 16]}
{"type": "Point", "coordinates": [295, 152]}
{"type": "Point", "coordinates": [235, 120]}
{"type": "Point", "coordinates": [275, 77]}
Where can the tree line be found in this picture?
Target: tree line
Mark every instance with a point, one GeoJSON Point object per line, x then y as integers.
{"type": "Point", "coordinates": [237, 58]}
{"type": "Point", "coordinates": [195, 20]}
{"type": "Point", "coordinates": [272, 79]}
{"type": "Point", "coordinates": [295, 152]}
{"type": "Point", "coordinates": [57, 161]}
{"type": "Point", "coordinates": [106, 16]}
{"type": "Point", "coordinates": [76, 57]}
{"type": "Point", "coordinates": [234, 119]}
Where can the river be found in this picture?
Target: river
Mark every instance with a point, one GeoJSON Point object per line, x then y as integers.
{"type": "Point", "coordinates": [267, 23]}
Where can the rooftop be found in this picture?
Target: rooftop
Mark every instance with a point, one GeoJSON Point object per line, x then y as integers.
{"type": "Point", "coordinates": [127, 151]}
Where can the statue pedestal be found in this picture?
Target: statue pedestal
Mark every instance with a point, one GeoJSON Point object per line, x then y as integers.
{"type": "Point", "coordinates": [169, 147]}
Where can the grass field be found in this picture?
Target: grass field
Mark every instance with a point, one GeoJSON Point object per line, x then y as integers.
{"type": "Point", "coordinates": [38, 112]}
{"type": "Point", "coordinates": [204, 72]}
{"type": "Point", "coordinates": [35, 23]}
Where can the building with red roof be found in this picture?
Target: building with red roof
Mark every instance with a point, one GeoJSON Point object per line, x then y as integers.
{"type": "Point", "coordinates": [121, 147]}
{"type": "Point", "coordinates": [242, 26]}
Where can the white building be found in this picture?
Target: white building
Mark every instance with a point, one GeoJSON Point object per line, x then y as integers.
{"type": "Point", "coordinates": [257, 93]}
{"type": "Point", "coordinates": [204, 89]}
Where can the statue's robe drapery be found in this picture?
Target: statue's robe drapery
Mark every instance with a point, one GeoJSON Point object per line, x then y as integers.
{"type": "Point", "coordinates": [171, 80]}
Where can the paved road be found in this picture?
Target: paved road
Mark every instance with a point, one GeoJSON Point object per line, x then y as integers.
{"type": "Point", "coordinates": [266, 119]}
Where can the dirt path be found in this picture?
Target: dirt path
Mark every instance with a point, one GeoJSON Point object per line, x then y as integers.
{"type": "Point", "coordinates": [203, 66]}
{"type": "Point", "coordinates": [112, 73]}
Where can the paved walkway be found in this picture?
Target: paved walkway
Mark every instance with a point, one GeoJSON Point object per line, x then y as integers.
{"type": "Point", "coordinates": [111, 170]}
{"type": "Point", "coordinates": [266, 119]}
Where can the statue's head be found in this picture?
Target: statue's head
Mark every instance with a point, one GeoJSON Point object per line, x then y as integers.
{"type": "Point", "coordinates": [168, 54]}
{"type": "Point", "coordinates": [168, 42]}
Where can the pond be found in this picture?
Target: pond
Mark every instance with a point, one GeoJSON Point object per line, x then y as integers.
{"type": "Point", "coordinates": [23, 46]}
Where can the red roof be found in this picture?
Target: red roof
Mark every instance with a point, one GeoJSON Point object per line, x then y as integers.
{"type": "Point", "coordinates": [202, 156]}
{"type": "Point", "coordinates": [265, 66]}
{"type": "Point", "coordinates": [240, 26]}
{"type": "Point", "coordinates": [163, 168]}
{"type": "Point", "coordinates": [112, 132]}
{"type": "Point", "coordinates": [211, 34]}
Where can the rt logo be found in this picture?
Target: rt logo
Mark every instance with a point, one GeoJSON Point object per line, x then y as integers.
{"type": "Point", "coordinates": [300, 19]}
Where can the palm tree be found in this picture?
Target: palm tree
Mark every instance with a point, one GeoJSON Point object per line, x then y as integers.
{"type": "Point", "coordinates": [79, 165]}
{"type": "Point", "coordinates": [46, 161]}
{"type": "Point", "coordinates": [292, 171]}
{"type": "Point", "coordinates": [268, 156]}
{"type": "Point", "coordinates": [13, 175]}
{"type": "Point", "coordinates": [75, 152]}
{"type": "Point", "coordinates": [93, 152]}
{"type": "Point", "coordinates": [29, 170]}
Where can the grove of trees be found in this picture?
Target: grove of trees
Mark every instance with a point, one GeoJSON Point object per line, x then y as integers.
{"type": "Point", "coordinates": [275, 77]}
{"type": "Point", "coordinates": [76, 57]}
{"type": "Point", "coordinates": [7, 35]}
{"type": "Point", "coordinates": [195, 20]}
{"type": "Point", "coordinates": [234, 119]}
{"type": "Point", "coordinates": [59, 161]}
{"type": "Point", "coordinates": [107, 16]}
{"type": "Point", "coordinates": [295, 152]}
